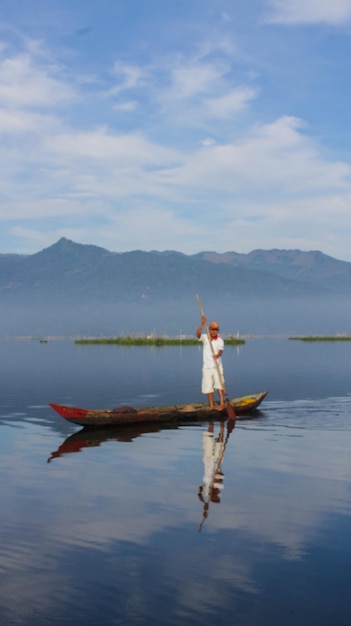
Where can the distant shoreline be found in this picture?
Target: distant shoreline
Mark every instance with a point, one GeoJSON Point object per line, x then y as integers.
{"type": "Point", "coordinates": [322, 338]}
{"type": "Point", "coordinates": [176, 341]}
{"type": "Point", "coordinates": [152, 341]}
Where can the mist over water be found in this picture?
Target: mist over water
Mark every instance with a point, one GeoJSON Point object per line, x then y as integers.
{"type": "Point", "coordinates": [246, 316]}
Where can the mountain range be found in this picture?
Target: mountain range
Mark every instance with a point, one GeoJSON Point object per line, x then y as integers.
{"type": "Point", "coordinates": [69, 276]}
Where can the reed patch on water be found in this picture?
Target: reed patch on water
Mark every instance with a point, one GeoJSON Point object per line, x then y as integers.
{"type": "Point", "coordinates": [322, 338]}
{"type": "Point", "coordinates": [152, 341]}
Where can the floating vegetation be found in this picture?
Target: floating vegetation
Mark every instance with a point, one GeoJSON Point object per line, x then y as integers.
{"type": "Point", "coordinates": [321, 338]}
{"type": "Point", "coordinates": [233, 341]}
{"type": "Point", "coordinates": [152, 341]}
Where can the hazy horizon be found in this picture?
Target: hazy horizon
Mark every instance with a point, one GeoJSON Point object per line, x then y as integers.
{"type": "Point", "coordinates": [246, 316]}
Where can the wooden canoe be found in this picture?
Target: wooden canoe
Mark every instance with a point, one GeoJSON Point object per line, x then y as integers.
{"type": "Point", "coordinates": [177, 412]}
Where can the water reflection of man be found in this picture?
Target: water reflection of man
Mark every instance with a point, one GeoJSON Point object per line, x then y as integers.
{"type": "Point", "coordinates": [213, 455]}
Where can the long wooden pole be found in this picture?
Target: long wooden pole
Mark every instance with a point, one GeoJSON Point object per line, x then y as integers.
{"type": "Point", "coordinates": [230, 409]}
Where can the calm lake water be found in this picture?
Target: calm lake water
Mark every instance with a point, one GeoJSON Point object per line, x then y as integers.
{"type": "Point", "coordinates": [118, 529]}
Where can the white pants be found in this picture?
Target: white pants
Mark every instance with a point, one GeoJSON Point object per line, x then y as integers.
{"type": "Point", "coordinates": [210, 380]}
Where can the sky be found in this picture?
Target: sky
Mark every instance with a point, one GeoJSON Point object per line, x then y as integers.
{"type": "Point", "coordinates": [192, 125]}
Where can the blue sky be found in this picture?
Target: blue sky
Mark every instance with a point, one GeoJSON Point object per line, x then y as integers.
{"type": "Point", "coordinates": [189, 125]}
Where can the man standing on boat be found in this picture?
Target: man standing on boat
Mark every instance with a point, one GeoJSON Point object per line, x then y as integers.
{"type": "Point", "coordinates": [210, 377]}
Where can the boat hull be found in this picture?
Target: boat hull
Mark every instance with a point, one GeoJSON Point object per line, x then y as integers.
{"type": "Point", "coordinates": [243, 406]}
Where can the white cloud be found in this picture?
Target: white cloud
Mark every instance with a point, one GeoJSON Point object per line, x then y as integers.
{"type": "Point", "coordinates": [193, 140]}
{"type": "Point", "coordinates": [201, 92]}
{"type": "Point", "coordinates": [229, 104]}
{"type": "Point", "coordinates": [153, 222]}
{"type": "Point", "coordinates": [128, 107]}
{"type": "Point", "coordinates": [275, 179]}
{"type": "Point", "coordinates": [275, 158]}
{"type": "Point", "coordinates": [14, 121]}
{"type": "Point", "coordinates": [195, 79]}
{"type": "Point", "coordinates": [207, 142]}
{"type": "Point", "coordinates": [335, 12]}
{"type": "Point", "coordinates": [129, 77]}
{"type": "Point", "coordinates": [37, 207]}
{"type": "Point", "coordinates": [26, 84]}
{"type": "Point", "coordinates": [104, 145]}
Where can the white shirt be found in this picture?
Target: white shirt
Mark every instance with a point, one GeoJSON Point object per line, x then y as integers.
{"type": "Point", "coordinates": [208, 360]}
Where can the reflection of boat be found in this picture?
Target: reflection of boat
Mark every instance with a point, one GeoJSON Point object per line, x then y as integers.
{"type": "Point", "coordinates": [91, 438]}
{"type": "Point", "coordinates": [177, 412]}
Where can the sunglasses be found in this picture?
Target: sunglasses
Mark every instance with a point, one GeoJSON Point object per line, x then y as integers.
{"type": "Point", "coordinates": [213, 328]}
